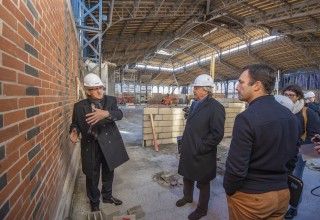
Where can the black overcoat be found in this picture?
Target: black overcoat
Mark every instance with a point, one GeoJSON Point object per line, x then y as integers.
{"type": "Point", "coordinates": [203, 132]}
{"type": "Point", "coordinates": [108, 135]}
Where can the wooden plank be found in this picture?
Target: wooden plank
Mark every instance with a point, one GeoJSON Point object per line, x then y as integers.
{"type": "Point", "coordinates": [154, 133]}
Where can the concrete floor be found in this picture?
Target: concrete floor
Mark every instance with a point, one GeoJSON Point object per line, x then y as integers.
{"type": "Point", "coordinates": [134, 183]}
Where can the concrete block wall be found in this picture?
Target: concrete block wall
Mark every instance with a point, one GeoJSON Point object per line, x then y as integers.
{"type": "Point", "coordinates": [38, 64]}
{"type": "Point", "coordinates": [233, 107]}
{"type": "Point", "coordinates": [169, 122]}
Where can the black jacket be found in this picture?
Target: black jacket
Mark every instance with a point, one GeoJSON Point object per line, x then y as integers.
{"type": "Point", "coordinates": [313, 124]}
{"type": "Point", "coordinates": [315, 107]}
{"type": "Point", "coordinates": [203, 132]}
{"type": "Point", "coordinates": [108, 135]}
{"type": "Point", "coordinates": [265, 138]}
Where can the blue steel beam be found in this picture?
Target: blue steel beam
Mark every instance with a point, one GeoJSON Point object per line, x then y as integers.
{"type": "Point", "coordinates": [90, 35]}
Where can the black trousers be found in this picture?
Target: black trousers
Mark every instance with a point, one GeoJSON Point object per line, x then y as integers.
{"type": "Point", "coordinates": [92, 185]}
{"type": "Point", "coordinates": [204, 195]}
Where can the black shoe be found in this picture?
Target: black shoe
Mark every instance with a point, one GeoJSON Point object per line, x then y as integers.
{"type": "Point", "coordinates": [95, 208]}
{"type": "Point", "coordinates": [291, 213]}
{"type": "Point", "coordinates": [113, 200]}
{"type": "Point", "coordinates": [197, 214]}
{"type": "Point", "coordinates": [182, 202]}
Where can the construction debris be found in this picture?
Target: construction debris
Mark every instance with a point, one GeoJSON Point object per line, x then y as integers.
{"type": "Point", "coordinates": [124, 217]}
{"type": "Point", "coordinates": [95, 216]}
{"type": "Point", "coordinates": [137, 211]}
{"type": "Point", "coordinates": [167, 179]}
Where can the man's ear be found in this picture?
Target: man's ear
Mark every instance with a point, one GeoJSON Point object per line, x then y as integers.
{"type": "Point", "coordinates": [257, 86]}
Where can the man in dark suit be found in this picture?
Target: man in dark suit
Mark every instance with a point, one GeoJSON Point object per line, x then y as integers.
{"type": "Point", "coordinates": [101, 143]}
{"type": "Point", "coordinates": [203, 132]}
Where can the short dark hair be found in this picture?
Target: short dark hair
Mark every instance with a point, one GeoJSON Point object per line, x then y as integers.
{"type": "Point", "coordinates": [263, 73]}
{"type": "Point", "coordinates": [296, 89]}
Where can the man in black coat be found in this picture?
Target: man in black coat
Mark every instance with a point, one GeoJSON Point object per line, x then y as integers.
{"type": "Point", "coordinates": [203, 132]}
{"type": "Point", "coordinates": [101, 142]}
{"type": "Point", "coordinates": [264, 143]}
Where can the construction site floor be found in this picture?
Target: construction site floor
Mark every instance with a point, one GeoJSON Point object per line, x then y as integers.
{"type": "Point", "coordinates": [137, 182]}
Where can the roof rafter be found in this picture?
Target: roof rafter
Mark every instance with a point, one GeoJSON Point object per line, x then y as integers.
{"type": "Point", "coordinates": [140, 37]}
{"type": "Point", "coordinates": [123, 11]}
{"type": "Point", "coordinates": [259, 58]}
{"type": "Point", "coordinates": [230, 66]}
{"type": "Point", "coordinates": [308, 8]}
{"type": "Point", "coordinates": [305, 51]}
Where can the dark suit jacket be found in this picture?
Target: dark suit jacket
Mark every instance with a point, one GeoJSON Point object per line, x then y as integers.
{"type": "Point", "coordinates": [203, 132]}
{"type": "Point", "coordinates": [108, 135]}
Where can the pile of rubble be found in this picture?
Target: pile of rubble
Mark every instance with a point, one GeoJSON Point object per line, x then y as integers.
{"type": "Point", "coordinates": [167, 179]}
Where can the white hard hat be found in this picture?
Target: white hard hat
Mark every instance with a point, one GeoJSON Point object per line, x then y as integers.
{"type": "Point", "coordinates": [203, 80]}
{"type": "Point", "coordinates": [92, 80]}
{"type": "Point", "coordinates": [285, 101]}
{"type": "Point", "coordinates": [309, 95]}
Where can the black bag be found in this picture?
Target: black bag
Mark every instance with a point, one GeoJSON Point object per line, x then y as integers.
{"type": "Point", "coordinates": [295, 186]}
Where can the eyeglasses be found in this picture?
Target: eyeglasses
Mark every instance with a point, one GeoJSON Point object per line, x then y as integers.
{"type": "Point", "coordinates": [289, 95]}
{"type": "Point", "coordinates": [96, 89]}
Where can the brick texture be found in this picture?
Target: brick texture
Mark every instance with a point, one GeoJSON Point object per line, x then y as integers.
{"type": "Point", "coordinates": [2, 152]}
{"type": "Point", "coordinates": [3, 181]}
{"type": "Point", "coordinates": [1, 121]}
{"type": "Point", "coordinates": [37, 93]}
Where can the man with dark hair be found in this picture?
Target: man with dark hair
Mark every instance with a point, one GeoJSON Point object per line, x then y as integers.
{"type": "Point", "coordinates": [264, 140]}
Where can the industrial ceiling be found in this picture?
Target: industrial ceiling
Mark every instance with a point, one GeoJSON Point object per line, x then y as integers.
{"type": "Point", "coordinates": [178, 37]}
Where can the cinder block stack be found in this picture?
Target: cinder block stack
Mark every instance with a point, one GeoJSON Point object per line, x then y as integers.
{"type": "Point", "coordinates": [233, 107]}
{"type": "Point", "coordinates": [169, 122]}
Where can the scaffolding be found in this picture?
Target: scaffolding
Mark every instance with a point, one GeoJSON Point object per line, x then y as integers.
{"type": "Point", "coordinates": [127, 85]}
{"type": "Point", "coordinates": [89, 34]}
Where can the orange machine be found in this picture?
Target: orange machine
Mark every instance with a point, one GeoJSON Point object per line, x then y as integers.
{"type": "Point", "coordinates": [169, 100]}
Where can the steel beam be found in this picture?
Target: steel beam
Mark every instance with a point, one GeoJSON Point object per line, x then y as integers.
{"type": "Point", "coordinates": [307, 40]}
{"type": "Point", "coordinates": [141, 26]}
{"type": "Point", "coordinates": [303, 9]}
{"type": "Point", "coordinates": [127, 23]}
{"type": "Point", "coordinates": [140, 37]}
{"type": "Point", "coordinates": [132, 52]}
{"type": "Point", "coordinates": [303, 28]}
{"type": "Point", "coordinates": [90, 46]}
{"type": "Point", "coordinates": [230, 66]}
{"type": "Point", "coordinates": [124, 11]}
{"type": "Point", "coordinates": [227, 5]}
{"type": "Point", "coordinates": [306, 53]}
{"type": "Point", "coordinates": [260, 59]}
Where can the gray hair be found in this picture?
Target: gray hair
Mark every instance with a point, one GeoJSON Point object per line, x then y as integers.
{"type": "Point", "coordinates": [208, 89]}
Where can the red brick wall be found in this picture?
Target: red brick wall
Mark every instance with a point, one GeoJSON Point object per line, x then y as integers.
{"type": "Point", "coordinates": [38, 65]}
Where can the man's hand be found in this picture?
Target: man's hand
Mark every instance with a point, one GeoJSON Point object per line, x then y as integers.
{"type": "Point", "coordinates": [74, 136]}
{"type": "Point", "coordinates": [96, 116]}
{"type": "Point", "coordinates": [315, 139]}
{"type": "Point", "coordinates": [317, 148]}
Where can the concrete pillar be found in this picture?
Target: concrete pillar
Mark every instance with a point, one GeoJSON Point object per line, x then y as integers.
{"type": "Point", "coordinates": [104, 76]}
{"type": "Point", "coordinates": [111, 81]}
